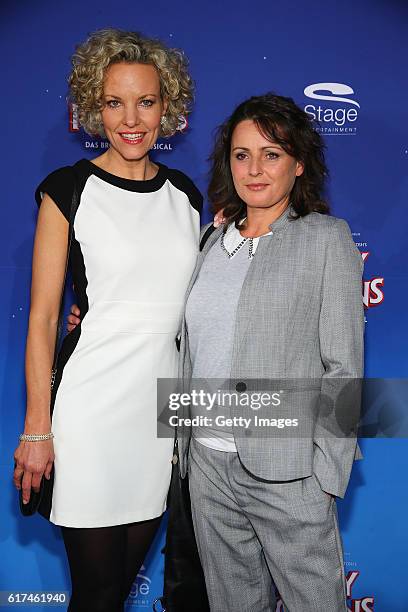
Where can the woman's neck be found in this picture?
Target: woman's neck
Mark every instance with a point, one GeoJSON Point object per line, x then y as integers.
{"type": "Point", "coordinates": [259, 219]}
{"type": "Point", "coordinates": [136, 170]}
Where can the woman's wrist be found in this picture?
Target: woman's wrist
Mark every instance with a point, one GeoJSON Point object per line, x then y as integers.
{"type": "Point", "coordinates": [37, 426]}
{"type": "Point", "coordinates": [36, 437]}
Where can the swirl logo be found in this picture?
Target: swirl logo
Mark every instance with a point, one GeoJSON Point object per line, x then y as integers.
{"type": "Point", "coordinates": [335, 89]}
{"type": "Point", "coordinates": [337, 113]}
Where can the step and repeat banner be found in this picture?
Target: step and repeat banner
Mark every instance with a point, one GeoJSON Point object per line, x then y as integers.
{"type": "Point", "coordinates": [345, 64]}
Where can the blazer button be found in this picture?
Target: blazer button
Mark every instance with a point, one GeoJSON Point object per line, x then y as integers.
{"type": "Point", "coordinates": [174, 459]}
{"type": "Point", "coordinates": [241, 386]}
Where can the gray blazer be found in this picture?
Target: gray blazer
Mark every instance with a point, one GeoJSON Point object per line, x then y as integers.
{"type": "Point", "coordinates": [300, 319]}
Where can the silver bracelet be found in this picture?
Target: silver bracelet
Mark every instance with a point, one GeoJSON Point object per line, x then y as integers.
{"type": "Point", "coordinates": [35, 437]}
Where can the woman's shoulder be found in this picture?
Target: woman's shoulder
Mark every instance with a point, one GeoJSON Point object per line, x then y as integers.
{"type": "Point", "coordinates": [67, 174]}
{"type": "Point", "coordinates": [325, 223]}
{"type": "Point", "coordinates": [59, 175]}
{"type": "Point", "coordinates": [329, 233]}
{"type": "Point", "coordinates": [59, 185]}
{"type": "Point", "coordinates": [181, 181]}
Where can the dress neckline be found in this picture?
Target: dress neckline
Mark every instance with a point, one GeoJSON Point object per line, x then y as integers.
{"type": "Point", "coordinates": [146, 186]}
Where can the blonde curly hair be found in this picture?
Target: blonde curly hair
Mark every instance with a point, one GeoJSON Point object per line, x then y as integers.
{"type": "Point", "coordinates": [111, 46]}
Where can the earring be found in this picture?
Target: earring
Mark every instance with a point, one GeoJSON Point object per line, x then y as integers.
{"type": "Point", "coordinates": [163, 120]}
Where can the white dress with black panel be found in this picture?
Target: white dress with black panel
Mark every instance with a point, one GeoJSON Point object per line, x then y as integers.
{"type": "Point", "coordinates": [134, 250]}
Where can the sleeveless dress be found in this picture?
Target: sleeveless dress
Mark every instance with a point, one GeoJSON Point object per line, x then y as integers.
{"type": "Point", "coordinates": [133, 252]}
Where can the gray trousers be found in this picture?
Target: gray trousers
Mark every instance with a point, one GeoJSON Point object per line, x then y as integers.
{"type": "Point", "coordinates": [251, 534]}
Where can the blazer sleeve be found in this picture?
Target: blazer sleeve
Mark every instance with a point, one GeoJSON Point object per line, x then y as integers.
{"type": "Point", "coordinates": [341, 332]}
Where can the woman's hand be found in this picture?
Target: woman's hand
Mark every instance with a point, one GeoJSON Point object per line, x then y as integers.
{"type": "Point", "coordinates": [219, 218]}
{"type": "Point", "coordinates": [73, 318]}
{"type": "Point", "coordinates": [32, 461]}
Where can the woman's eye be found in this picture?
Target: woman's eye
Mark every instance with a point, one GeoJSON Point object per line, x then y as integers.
{"type": "Point", "coordinates": [240, 156]}
{"type": "Point", "coordinates": [147, 103]}
{"type": "Point", "coordinates": [113, 103]}
{"type": "Point", "coordinates": [272, 155]}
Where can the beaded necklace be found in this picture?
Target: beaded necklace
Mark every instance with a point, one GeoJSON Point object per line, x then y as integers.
{"type": "Point", "coordinates": [237, 248]}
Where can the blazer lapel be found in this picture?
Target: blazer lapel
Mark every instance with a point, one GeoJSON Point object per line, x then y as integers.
{"type": "Point", "coordinates": [266, 254]}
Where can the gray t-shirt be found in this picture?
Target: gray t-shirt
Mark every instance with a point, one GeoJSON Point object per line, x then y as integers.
{"type": "Point", "coordinates": [210, 317]}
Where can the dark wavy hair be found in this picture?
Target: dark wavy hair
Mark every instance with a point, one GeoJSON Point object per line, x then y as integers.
{"type": "Point", "coordinates": [281, 121]}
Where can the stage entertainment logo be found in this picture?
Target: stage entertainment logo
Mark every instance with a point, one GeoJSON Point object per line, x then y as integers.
{"type": "Point", "coordinates": [336, 113]}
{"type": "Point", "coordinates": [96, 142]}
{"type": "Point", "coordinates": [140, 592]}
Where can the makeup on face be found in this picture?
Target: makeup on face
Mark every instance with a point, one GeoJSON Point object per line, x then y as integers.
{"type": "Point", "coordinates": [263, 173]}
{"type": "Point", "coordinates": [132, 108]}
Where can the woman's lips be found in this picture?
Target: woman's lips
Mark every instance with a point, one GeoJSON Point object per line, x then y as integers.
{"type": "Point", "coordinates": [257, 186]}
{"type": "Point", "coordinates": [132, 138]}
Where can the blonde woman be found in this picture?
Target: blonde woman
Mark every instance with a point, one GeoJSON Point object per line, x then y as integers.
{"type": "Point", "coordinates": [135, 242]}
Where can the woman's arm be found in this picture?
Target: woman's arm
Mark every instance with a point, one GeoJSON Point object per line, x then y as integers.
{"type": "Point", "coordinates": [341, 331]}
{"type": "Point", "coordinates": [33, 459]}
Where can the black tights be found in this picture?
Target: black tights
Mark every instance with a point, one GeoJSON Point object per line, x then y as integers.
{"type": "Point", "coordinates": [104, 562]}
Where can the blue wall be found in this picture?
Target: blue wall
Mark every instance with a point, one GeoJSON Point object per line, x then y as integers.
{"type": "Point", "coordinates": [236, 49]}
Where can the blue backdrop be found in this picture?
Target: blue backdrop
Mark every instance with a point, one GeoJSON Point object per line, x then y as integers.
{"type": "Point", "coordinates": [343, 62]}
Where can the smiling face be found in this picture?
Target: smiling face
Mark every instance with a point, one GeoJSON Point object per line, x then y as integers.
{"type": "Point", "coordinates": [263, 173]}
{"type": "Point", "coordinates": [132, 109]}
